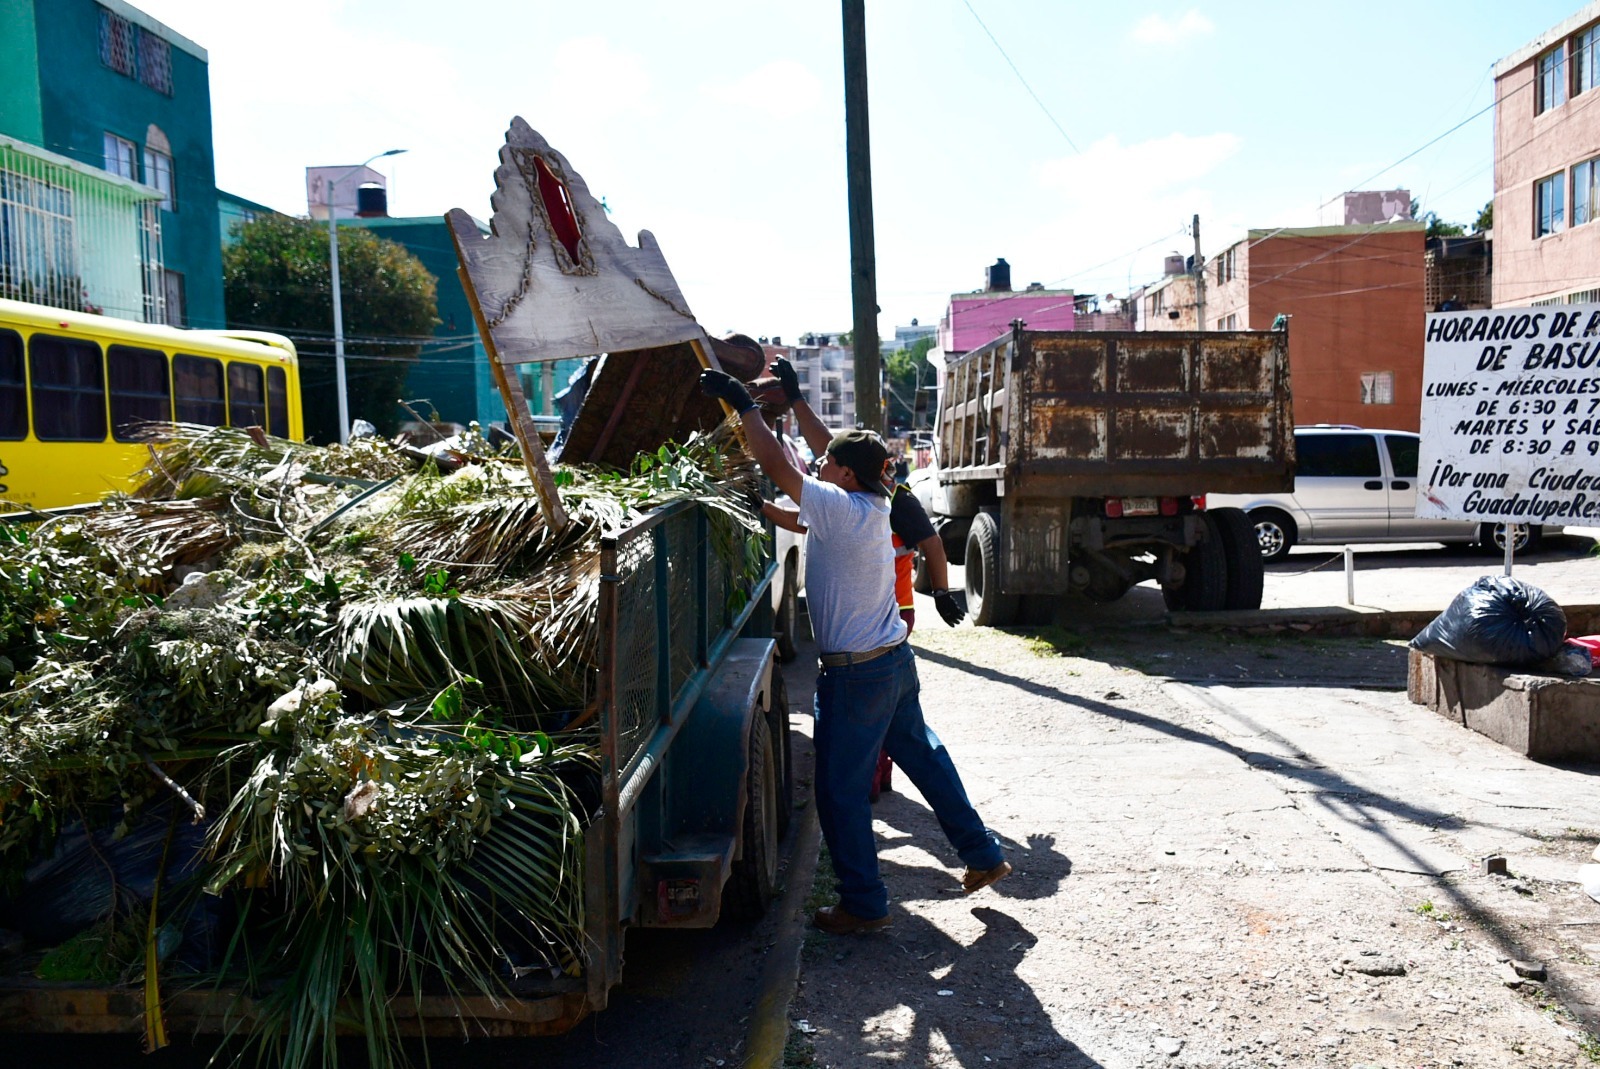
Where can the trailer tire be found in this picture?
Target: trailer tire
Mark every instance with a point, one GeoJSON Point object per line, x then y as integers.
{"type": "Point", "coordinates": [788, 624]}
{"type": "Point", "coordinates": [989, 607]}
{"type": "Point", "coordinates": [1205, 581]}
{"type": "Point", "coordinates": [754, 879]}
{"type": "Point", "coordinates": [1246, 571]}
{"type": "Point", "coordinates": [778, 727]}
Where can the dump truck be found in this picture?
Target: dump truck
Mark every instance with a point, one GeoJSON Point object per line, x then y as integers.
{"type": "Point", "coordinates": [1076, 461]}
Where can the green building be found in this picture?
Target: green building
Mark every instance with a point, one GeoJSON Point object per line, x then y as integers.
{"type": "Point", "coordinates": [108, 193]}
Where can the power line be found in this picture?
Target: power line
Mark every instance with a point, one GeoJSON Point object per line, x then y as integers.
{"type": "Point", "coordinates": [1059, 128]}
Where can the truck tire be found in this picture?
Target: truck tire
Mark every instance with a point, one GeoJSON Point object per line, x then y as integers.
{"type": "Point", "coordinates": [1205, 581]}
{"type": "Point", "coordinates": [754, 879]}
{"type": "Point", "coordinates": [1246, 575]}
{"type": "Point", "coordinates": [778, 727]}
{"type": "Point", "coordinates": [989, 607]}
{"type": "Point", "coordinates": [788, 623]}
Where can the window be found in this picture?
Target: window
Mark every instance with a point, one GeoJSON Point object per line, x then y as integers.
{"type": "Point", "coordinates": [1585, 191]}
{"type": "Point", "coordinates": [36, 239]}
{"type": "Point", "coordinates": [121, 157]}
{"type": "Point", "coordinates": [247, 405]}
{"type": "Point", "coordinates": [1549, 202]}
{"type": "Point", "coordinates": [1377, 388]}
{"type": "Point", "coordinates": [135, 52]}
{"type": "Point", "coordinates": [1403, 454]}
{"type": "Point", "coordinates": [1228, 265]}
{"type": "Point", "coordinates": [1336, 456]}
{"type": "Point", "coordinates": [117, 49]}
{"type": "Point", "coordinates": [158, 173]}
{"type": "Point", "coordinates": [140, 392]}
{"type": "Point", "coordinates": [1550, 81]}
{"type": "Point", "coordinates": [69, 389]}
{"type": "Point", "coordinates": [197, 390]}
{"type": "Point", "coordinates": [172, 290]}
{"type": "Point", "coordinates": [13, 389]}
{"type": "Point", "coordinates": [155, 62]}
{"type": "Point", "coordinates": [277, 402]}
{"type": "Point", "coordinates": [1229, 322]}
{"type": "Point", "coordinates": [1586, 60]}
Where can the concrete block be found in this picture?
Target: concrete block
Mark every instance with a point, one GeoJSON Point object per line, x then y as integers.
{"type": "Point", "coordinates": [1547, 718]}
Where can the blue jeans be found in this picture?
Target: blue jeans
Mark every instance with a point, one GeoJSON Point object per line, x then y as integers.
{"type": "Point", "coordinates": [861, 709]}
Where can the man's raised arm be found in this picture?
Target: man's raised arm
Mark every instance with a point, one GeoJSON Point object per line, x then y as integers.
{"type": "Point", "coordinates": [760, 440]}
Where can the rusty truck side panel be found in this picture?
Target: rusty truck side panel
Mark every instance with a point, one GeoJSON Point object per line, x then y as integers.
{"type": "Point", "coordinates": [1158, 413]}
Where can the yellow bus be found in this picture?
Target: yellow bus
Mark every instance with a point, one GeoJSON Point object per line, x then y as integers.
{"type": "Point", "coordinates": [74, 388]}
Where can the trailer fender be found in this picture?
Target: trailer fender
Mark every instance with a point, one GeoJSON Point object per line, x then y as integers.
{"type": "Point", "coordinates": [703, 796]}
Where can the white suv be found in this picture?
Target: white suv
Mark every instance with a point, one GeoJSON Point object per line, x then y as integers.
{"type": "Point", "coordinates": [1357, 485]}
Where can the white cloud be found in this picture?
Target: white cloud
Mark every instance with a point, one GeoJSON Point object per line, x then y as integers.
{"type": "Point", "coordinates": [1168, 30]}
{"type": "Point", "coordinates": [782, 89]}
{"type": "Point", "coordinates": [601, 79]}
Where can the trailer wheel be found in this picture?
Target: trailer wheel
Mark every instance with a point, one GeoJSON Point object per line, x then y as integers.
{"type": "Point", "coordinates": [989, 607]}
{"type": "Point", "coordinates": [778, 727]}
{"type": "Point", "coordinates": [1205, 581]}
{"type": "Point", "coordinates": [788, 624]}
{"type": "Point", "coordinates": [1246, 573]}
{"type": "Point", "coordinates": [754, 879]}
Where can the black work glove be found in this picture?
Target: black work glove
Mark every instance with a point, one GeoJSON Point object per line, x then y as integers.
{"type": "Point", "coordinates": [787, 378]}
{"type": "Point", "coordinates": [950, 610]}
{"type": "Point", "coordinates": [725, 387]}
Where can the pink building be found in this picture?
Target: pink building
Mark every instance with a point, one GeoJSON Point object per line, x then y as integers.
{"type": "Point", "coordinates": [1547, 167]}
{"type": "Point", "coordinates": [975, 319]}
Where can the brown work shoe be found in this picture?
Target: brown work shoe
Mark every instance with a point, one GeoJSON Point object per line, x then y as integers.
{"type": "Point", "coordinates": [978, 879]}
{"type": "Point", "coordinates": [835, 921]}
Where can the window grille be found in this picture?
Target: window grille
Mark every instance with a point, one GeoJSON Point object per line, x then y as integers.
{"type": "Point", "coordinates": [1584, 297]}
{"type": "Point", "coordinates": [117, 48]}
{"type": "Point", "coordinates": [155, 62]}
{"type": "Point", "coordinates": [38, 254]}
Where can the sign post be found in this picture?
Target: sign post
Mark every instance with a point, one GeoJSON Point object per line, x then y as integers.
{"type": "Point", "coordinates": [1511, 417]}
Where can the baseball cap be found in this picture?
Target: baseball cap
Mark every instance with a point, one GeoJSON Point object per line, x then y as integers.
{"type": "Point", "coordinates": [864, 453]}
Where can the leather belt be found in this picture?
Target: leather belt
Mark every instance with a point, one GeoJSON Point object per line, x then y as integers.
{"type": "Point", "coordinates": [839, 660]}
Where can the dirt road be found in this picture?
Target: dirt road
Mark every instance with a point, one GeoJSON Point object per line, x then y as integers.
{"type": "Point", "coordinates": [1214, 872]}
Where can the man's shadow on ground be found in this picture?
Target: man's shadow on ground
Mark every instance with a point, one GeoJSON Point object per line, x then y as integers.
{"type": "Point", "coordinates": [1038, 868]}
{"type": "Point", "coordinates": [967, 996]}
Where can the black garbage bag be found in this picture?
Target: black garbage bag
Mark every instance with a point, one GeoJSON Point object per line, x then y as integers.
{"type": "Point", "coordinates": [1499, 621]}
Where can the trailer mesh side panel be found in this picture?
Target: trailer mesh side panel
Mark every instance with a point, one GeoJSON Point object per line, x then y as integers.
{"type": "Point", "coordinates": [683, 562]}
{"type": "Point", "coordinates": [636, 648]}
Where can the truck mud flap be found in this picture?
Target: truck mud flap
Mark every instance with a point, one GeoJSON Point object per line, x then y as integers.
{"type": "Point", "coordinates": [1034, 539]}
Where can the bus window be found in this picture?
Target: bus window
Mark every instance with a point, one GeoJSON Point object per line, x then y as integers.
{"type": "Point", "coordinates": [197, 383]}
{"type": "Point", "coordinates": [13, 390]}
{"type": "Point", "coordinates": [69, 389]}
{"type": "Point", "coordinates": [246, 405]}
{"type": "Point", "coordinates": [277, 402]}
{"type": "Point", "coordinates": [140, 391]}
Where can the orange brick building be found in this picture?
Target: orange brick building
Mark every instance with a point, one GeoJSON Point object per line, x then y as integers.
{"type": "Point", "coordinates": [1355, 300]}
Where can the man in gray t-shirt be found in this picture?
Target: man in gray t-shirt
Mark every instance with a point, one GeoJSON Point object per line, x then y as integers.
{"type": "Point", "coordinates": [868, 695]}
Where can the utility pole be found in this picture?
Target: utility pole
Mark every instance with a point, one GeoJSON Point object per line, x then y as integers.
{"type": "Point", "coordinates": [1199, 278]}
{"type": "Point", "coordinates": [863, 258]}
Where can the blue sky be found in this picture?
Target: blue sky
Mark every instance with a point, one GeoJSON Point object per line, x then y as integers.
{"type": "Point", "coordinates": [719, 126]}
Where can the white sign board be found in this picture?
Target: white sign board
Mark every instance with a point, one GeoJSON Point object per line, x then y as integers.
{"type": "Point", "coordinates": [1511, 416]}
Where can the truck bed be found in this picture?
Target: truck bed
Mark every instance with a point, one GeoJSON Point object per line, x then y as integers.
{"type": "Point", "coordinates": [1069, 413]}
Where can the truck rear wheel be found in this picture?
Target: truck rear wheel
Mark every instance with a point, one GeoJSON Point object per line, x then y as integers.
{"type": "Point", "coordinates": [1205, 580]}
{"type": "Point", "coordinates": [1246, 574]}
{"type": "Point", "coordinates": [989, 607]}
{"type": "Point", "coordinates": [754, 879]}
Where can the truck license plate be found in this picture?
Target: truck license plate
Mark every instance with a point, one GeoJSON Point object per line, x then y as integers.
{"type": "Point", "coordinates": [1140, 506]}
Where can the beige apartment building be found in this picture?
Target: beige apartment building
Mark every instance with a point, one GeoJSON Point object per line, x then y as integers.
{"type": "Point", "coordinates": [1547, 167]}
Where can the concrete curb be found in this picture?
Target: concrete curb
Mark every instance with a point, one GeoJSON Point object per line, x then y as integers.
{"type": "Point", "coordinates": [780, 977]}
{"type": "Point", "coordinates": [1349, 620]}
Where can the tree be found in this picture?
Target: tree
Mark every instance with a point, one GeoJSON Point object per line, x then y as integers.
{"type": "Point", "coordinates": [275, 277]}
{"type": "Point", "coordinates": [1437, 228]}
{"type": "Point", "coordinates": [905, 370]}
{"type": "Point", "coordinates": [1485, 220]}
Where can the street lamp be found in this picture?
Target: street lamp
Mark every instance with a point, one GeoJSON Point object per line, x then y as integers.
{"type": "Point", "coordinates": [338, 309]}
